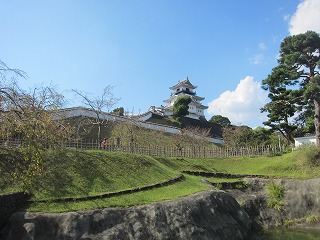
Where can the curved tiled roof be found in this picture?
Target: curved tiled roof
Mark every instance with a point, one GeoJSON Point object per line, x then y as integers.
{"type": "Point", "coordinates": [185, 82]}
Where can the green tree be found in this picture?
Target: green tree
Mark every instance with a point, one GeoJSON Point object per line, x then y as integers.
{"type": "Point", "coordinates": [305, 122]}
{"type": "Point", "coordinates": [118, 111]}
{"type": "Point", "coordinates": [181, 106]}
{"type": "Point", "coordinates": [283, 104]}
{"type": "Point", "coordinates": [300, 54]}
{"type": "Point", "coordinates": [221, 120]}
{"type": "Point", "coordinates": [261, 136]}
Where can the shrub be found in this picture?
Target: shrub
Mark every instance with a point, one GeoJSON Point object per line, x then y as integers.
{"type": "Point", "coordinates": [218, 186]}
{"type": "Point", "coordinates": [313, 219]}
{"type": "Point", "coordinates": [275, 196]}
{"type": "Point", "coordinates": [312, 155]}
{"type": "Point", "coordinates": [241, 186]}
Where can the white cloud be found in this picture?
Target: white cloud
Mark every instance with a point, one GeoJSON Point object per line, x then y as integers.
{"type": "Point", "coordinates": [306, 17]}
{"type": "Point", "coordinates": [262, 46]}
{"type": "Point", "coordinates": [257, 59]}
{"type": "Point", "coordinates": [241, 106]}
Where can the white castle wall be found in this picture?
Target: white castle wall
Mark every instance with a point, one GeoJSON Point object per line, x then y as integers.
{"type": "Point", "coordinates": [80, 111]}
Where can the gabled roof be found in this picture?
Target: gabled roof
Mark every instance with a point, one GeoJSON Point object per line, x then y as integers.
{"type": "Point", "coordinates": [185, 82]}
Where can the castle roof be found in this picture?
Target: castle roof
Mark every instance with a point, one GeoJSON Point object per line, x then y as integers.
{"type": "Point", "coordinates": [185, 82]}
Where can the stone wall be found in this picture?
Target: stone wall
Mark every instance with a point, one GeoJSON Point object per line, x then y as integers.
{"type": "Point", "coordinates": [205, 215]}
{"type": "Point", "coordinates": [301, 201]}
{"type": "Point", "coordinates": [9, 204]}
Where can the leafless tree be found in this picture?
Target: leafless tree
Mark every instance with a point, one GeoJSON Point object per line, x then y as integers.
{"type": "Point", "coordinates": [7, 82]}
{"type": "Point", "coordinates": [30, 116]}
{"type": "Point", "coordinates": [5, 71]}
{"type": "Point", "coordinates": [97, 104]}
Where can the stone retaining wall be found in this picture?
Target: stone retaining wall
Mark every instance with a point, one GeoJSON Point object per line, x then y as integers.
{"type": "Point", "coordinates": [222, 175]}
{"type": "Point", "coordinates": [9, 204]}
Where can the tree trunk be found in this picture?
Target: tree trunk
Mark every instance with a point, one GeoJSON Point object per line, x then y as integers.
{"type": "Point", "coordinates": [99, 132]}
{"type": "Point", "coordinates": [317, 120]}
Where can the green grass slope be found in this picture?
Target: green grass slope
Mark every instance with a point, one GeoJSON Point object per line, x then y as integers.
{"type": "Point", "coordinates": [73, 173]}
{"type": "Point", "coordinates": [295, 164]}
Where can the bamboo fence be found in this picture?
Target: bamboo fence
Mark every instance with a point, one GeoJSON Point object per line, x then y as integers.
{"type": "Point", "coordinates": [164, 151]}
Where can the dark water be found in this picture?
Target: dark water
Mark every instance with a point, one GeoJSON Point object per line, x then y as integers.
{"type": "Point", "coordinates": [292, 234]}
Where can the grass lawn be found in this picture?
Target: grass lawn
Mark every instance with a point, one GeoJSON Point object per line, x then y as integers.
{"type": "Point", "coordinates": [72, 173]}
{"type": "Point", "coordinates": [292, 164]}
{"type": "Point", "coordinates": [190, 185]}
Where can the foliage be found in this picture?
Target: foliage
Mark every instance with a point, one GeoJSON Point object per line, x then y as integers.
{"type": "Point", "coordinates": [275, 196]}
{"type": "Point", "coordinates": [283, 104]}
{"type": "Point", "coordinates": [240, 136]}
{"type": "Point", "coordinates": [312, 156]}
{"type": "Point", "coordinates": [309, 220]}
{"type": "Point", "coordinates": [313, 219]}
{"type": "Point", "coordinates": [173, 121]}
{"type": "Point", "coordinates": [305, 122]}
{"type": "Point", "coordinates": [181, 106]}
{"type": "Point", "coordinates": [294, 84]}
{"type": "Point", "coordinates": [222, 121]}
{"type": "Point", "coordinates": [244, 136]}
{"type": "Point", "coordinates": [33, 118]}
{"type": "Point", "coordinates": [242, 186]}
{"type": "Point", "coordinates": [261, 136]}
{"type": "Point", "coordinates": [118, 111]}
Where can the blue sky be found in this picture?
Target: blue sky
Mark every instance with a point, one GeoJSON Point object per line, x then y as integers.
{"type": "Point", "coordinates": [142, 47]}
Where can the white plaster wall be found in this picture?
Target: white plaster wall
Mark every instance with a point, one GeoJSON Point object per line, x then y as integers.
{"type": "Point", "coordinates": [73, 112]}
{"type": "Point", "coordinates": [301, 141]}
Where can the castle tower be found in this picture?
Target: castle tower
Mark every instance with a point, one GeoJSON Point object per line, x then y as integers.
{"type": "Point", "coordinates": [185, 88]}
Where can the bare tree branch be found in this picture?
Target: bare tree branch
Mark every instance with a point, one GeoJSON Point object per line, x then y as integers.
{"type": "Point", "coordinates": [97, 104]}
{"type": "Point", "coordinates": [4, 69]}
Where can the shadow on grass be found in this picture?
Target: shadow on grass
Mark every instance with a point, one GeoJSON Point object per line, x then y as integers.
{"type": "Point", "coordinates": [70, 173]}
{"type": "Point", "coordinates": [77, 173]}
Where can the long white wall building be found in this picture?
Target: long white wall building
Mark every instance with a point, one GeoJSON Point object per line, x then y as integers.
{"type": "Point", "coordinates": [86, 112]}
